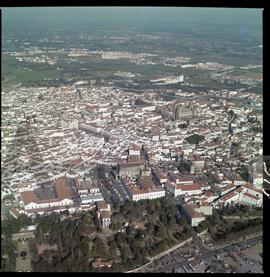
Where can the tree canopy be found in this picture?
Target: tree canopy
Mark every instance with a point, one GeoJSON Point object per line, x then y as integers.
{"type": "Point", "coordinates": [194, 139]}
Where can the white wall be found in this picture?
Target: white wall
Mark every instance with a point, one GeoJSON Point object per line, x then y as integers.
{"type": "Point", "coordinates": [196, 221]}
{"type": "Point", "coordinates": [150, 195]}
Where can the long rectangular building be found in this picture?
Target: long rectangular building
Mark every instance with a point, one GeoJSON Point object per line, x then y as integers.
{"type": "Point", "coordinates": [183, 189]}
{"type": "Point", "coordinates": [144, 188]}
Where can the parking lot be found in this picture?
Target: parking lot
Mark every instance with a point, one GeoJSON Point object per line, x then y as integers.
{"type": "Point", "coordinates": [241, 257]}
{"type": "Point", "coordinates": [112, 189]}
{"type": "Point", "coordinates": [122, 189]}
{"type": "Point", "coordinates": [254, 251]}
{"type": "Point", "coordinates": [106, 193]}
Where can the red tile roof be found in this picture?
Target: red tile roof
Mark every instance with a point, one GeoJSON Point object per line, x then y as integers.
{"type": "Point", "coordinates": [190, 209]}
{"type": "Point", "coordinates": [62, 188]}
{"type": "Point", "coordinates": [102, 205]}
{"type": "Point", "coordinates": [28, 197]}
{"type": "Point", "coordinates": [135, 147]}
{"type": "Point", "coordinates": [251, 187]}
{"type": "Point", "coordinates": [184, 179]}
{"type": "Point", "coordinates": [15, 212]}
{"type": "Point", "coordinates": [144, 185]}
{"type": "Point", "coordinates": [91, 107]}
{"type": "Point", "coordinates": [132, 160]}
{"type": "Point", "coordinates": [194, 186]}
{"type": "Point", "coordinates": [87, 184]}
{"type": "Point", "coordinates": [101, 263]}
{"type": "Point", "coordinates": [251, 196]}
{"type": "Point", "coordinates": [228, 196]}
{"type": "Point", "coordinates": [105, 214]}
{"type": "Point", "coordinates": [208, 193]}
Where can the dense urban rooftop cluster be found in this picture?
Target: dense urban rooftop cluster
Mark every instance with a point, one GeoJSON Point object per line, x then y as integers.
{"type": "Point", "coordinates": [191, 146]}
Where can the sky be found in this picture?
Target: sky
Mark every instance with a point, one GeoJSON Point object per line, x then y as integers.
{"type": "Point", "coordinates": [132, 14]}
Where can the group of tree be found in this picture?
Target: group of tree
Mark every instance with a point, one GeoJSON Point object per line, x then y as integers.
{"type": "Point", "coordinates": [183, 125]}
{"type": "Point", "coordinates": [257, 129]}
{"type": "Point", "coordinates": [71, 236]}
{"type": "Point", "coordinates": [11, 225]}
{"type": "Point", "coordinates": [222, 228]}
{"type": "Point", "coordinates": [239, 228]}
{"type": "Point", "coordinates": [139, 102]}
{"type": "Point", "coordinates": [194, 139]}
{"type": "Point", "coordinates": [159, 232]}
{"type": "Point", "coordinates": [243, 171]}
{"type": "Point", "coordinates": [8, 259]}
{"type": "Point", "coordinates": [153, 226]}
{"type": "Point", "coordinates": [231, 113]}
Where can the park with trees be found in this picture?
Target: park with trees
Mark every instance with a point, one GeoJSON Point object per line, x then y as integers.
{"type": "Point", "coordinates": [139, 230]}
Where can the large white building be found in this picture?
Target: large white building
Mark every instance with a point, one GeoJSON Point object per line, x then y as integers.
{"type": "Point", "coordinates": [250, 199]}
{"type": "Point", "coordinates": [104, 213]}
{"type": "Point", "coordinates": [144, 189]}
{"type": "Point", "coordinates": [85, 187]}
{"type": "Point", "coordinates": [251, 195]}
{"type": "Point", "coordinates": [184, 189]}
{"type": "Point", "coordinates": [196, 214]}
{"type": "Point", "coordinates": [105, 218]}
{"type": "Point", "coordinates": [91, 198]}
{"type": "Point", "coordinates": [247, 195]}
{"type": "Point", "coordinates": [138, 195]}
{"type": "Point", "coordinates": [194, 218]}
{"type": "Point", "coordinates": [88, 192]}
{"type": "Point", "coordinates": [34, 203]}
{"type": "Point", "coordinates": [258, 181]}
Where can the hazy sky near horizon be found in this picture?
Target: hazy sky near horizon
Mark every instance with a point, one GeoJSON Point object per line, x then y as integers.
{"type": "Point", "coordinates": [132, 14]}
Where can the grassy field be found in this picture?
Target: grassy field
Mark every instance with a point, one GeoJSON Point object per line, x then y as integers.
{"type": "Point", "coordinates": [255, 73]}
{"type": "Point", "coordinates": [15, 75]}
{"type": "Point", "coordinates": [97, 68]}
